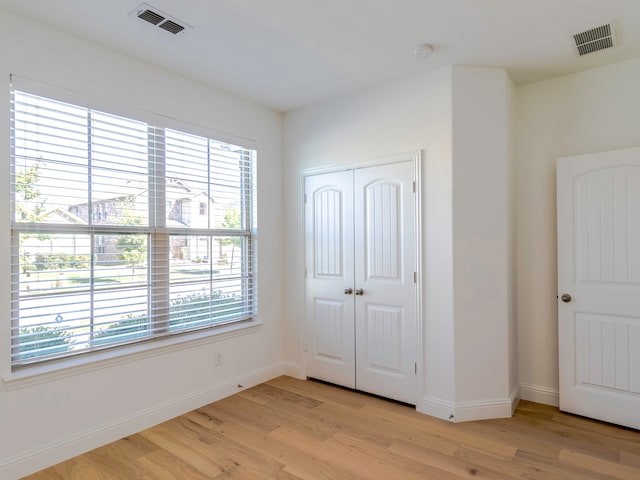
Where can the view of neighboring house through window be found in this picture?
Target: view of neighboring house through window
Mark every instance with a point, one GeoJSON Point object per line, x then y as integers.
{"type": "Point", "coordinates": [123, 231]}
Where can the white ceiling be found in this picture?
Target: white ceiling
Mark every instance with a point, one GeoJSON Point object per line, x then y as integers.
{"type": "Point", "coordinates": [287, 54]}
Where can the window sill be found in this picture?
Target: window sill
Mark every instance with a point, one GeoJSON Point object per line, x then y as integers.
{"type": "Point", "coordinates": [84, 363]}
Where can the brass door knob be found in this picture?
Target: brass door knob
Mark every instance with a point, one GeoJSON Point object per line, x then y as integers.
{"type": "Point", "coordinates": [566, 298]}
{"type": "Point", "coordinates": [348, 291]}
{"type": "Point", "coordinates": [359, 291]}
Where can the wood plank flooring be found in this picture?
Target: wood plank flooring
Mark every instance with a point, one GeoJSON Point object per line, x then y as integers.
{"type": "Point", "coordinates": [289, 429]}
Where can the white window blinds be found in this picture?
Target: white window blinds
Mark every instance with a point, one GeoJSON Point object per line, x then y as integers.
{"type": "Point", "coordinates": [123, 231]}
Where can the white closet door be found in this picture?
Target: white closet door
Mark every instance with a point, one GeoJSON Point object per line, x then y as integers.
{"type": "Point", "coordinates": [599, 285]}
{"type": "Point", "coordinates": [385, 262]}
{"type": "Point", "coordinates": [330, 341]}
{"type": "Point", "coordinates": [361, 296]}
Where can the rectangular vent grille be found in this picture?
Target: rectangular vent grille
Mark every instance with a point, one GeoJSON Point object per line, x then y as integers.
{"type": "Point", "coordinates": [172, 27]}
{"type": "Point", "coordinates": [594, 39]}
{"type": "Point", "coordinates": [151, 17]}
{"type": "Point", "coordinates": [160, 19]}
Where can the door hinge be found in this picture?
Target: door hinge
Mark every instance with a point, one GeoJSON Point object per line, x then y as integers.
{"type": "Point", "coordinates": [305, 198]}
{"type": "Point", "coordinates": [415, 277]}
{"type": "Point", "coordinates": [414, 187]}
{"type": "Point", "coordinates": [415, 368]}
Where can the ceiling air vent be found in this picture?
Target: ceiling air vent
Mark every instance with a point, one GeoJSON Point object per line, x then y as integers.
{"type": "Point", "coordinates": [594, 39]}
{"type": "Point", "coordinates": [150, 16]}
{"type": "Point", "coordinates": [160, 19]}
{"type": "Point", "coordinates": [172, 27]}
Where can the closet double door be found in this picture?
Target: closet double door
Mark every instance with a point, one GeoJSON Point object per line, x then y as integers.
{"type": "Point", "coordinates": [360, 249]}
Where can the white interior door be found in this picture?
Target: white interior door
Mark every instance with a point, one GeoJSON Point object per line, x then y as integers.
{"type": "Point", "coordinates": [330, 340]}
{"type": "Point", "coordinates": [599, 285]}
{"type": "Point", "coordinates": [385, 262]}
{"type": "Point", "coordinates": [360, 263]}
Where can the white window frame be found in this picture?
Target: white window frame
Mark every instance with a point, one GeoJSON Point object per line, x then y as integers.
{"type": "Point", "coordinates": [157, 237]}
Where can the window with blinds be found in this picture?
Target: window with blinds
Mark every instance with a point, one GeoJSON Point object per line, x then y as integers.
{"type": "Point", "coordinates": [123, 231]}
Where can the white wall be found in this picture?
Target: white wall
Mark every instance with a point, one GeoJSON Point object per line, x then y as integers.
{"type": "Point", "coordinates": [50, 419]}
{"type": "Point", "coordinates": [512, 292]}
{"type": "Point", "coordinates": [461, 118]}
{"type": "Point", "coordinates": [588, 112]}
{"type": "Point", "coordinates": [482, 238]}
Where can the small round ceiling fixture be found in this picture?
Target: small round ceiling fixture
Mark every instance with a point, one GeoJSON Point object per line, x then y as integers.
{"type": "Point", "coordinates": [423, 50]}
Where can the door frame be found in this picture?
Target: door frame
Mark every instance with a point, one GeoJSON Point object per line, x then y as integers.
{"type": "Point", "coordinates": [416, 158]}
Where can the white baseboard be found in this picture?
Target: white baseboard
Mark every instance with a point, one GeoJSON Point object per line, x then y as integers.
{"type": "Point", "coordinates": [539, 394]}
{"type": "Point", "coordinates": [515, 397]}
{"type": "Point", "coordinates": [483, 410]}
{"type": "Point", "coordinates": [292, 369]}
{"type": "Point", "coordinates": [32, 461]}
{"type": "Point", "coordinates": [469, 411]}
{"type": "Point", "coordinates": [437, 407]}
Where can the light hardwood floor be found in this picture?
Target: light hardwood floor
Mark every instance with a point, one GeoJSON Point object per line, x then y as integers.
{"type": "Point", "coordinates": [290, 429]}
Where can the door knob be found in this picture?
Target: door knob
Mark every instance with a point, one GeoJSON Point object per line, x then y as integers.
{"type": "Point", "coordinates": [566, 298]}
{"type": "Point", "coordinates": [359, 291]}
{"type": "Point", "coordinates": [348, 291]}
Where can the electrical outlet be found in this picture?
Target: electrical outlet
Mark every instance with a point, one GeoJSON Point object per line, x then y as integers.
{"type": "Point", "coordinates": [219, 358]}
